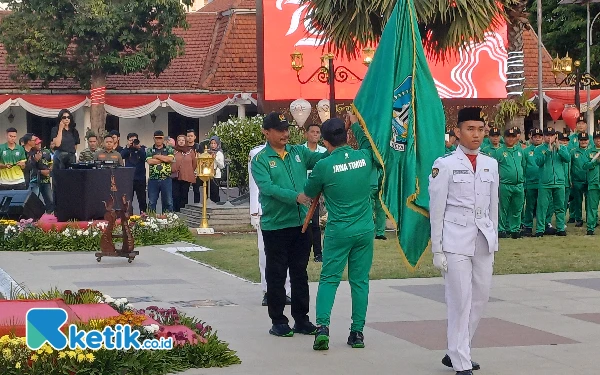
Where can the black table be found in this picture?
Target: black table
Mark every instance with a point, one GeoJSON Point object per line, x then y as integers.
{"type": "Point", "coordinates": [79, 193]}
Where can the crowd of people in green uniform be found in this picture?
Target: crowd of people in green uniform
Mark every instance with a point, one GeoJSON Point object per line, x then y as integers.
{"type": "Point", "coordinates": [550, 175]}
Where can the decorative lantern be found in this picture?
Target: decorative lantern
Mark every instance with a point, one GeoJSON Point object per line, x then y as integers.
{"type": "Point", "coordinates": [570, 115]}
{"type": "Point", "coordinates": [323, 107]}
{"type": "Point", "coordinates": [297, 61]}
{"type": "Point", "coordinates": [368, 54]}
{"type": "Point", "coordinates": [555, 107]}
{"type": "Point", "coordinates": [205, 170]}
{"type": "Point", "coordinates": [300, 109]}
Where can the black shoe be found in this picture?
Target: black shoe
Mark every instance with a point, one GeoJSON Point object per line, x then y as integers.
{"type": "Point", "coordinates": [550, 231]}
{"type": "Point", "coordinates": [527, 232]}
{"type": "Point", "coordinates": [571, 220]}
{"type": "Point", "coordinates": [590, 233]}
{"type": "Point", "coordinates": [579, 224]}
{"type": "Point", "coordinates": [539, 234]}
{"type": "Point", "coordinates": [288, 300]}
{"type": "Point", "coordinates": [502, 235]}
{"type": "Point", "coordinates": [305, 328]}
{"type": "Point", "coordinates": [515, 235]}
{"type": "Point", "coordinates": [318, 258]}
{"type": "Point", "coordinates": [381, 238]}
{"type": "Point", "coordinates": [356, 339]}
{"type": "Point", "coordinates": [465, 372]}
{"type": "Point", "coordinates": [264, 301]}
{"type": "Point", "coordinates": [321, 339]}
{"type": "Point", "coordinates": [281, 330]}
{"type": "Point", "coordinates": [446, 361]}
{"type": "Point", "coordinates": [561, 233]}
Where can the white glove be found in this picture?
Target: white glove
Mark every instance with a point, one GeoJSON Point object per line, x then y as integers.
{"type": "Point", "coordinates": [440, 262]}
{"type": "Point", "coordinates": [255, 221]}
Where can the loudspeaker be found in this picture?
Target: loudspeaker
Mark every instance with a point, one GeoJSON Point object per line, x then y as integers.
{"type": "Point", "coordinates": [21, 204]}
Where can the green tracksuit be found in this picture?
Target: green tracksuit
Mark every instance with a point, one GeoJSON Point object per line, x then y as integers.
{"type": "Point", "coordinates": [349, 231]}
{"type": "Point", "coordinates": [593, 192]}
{"type": "Point", "coordinates": [574, 141]}
{"type": "Point", "coordinates": [280, 179]}
{"type": "Point", "coordinates": [552, 185]}
{"type": "Point", "coordinates": [579, 182]}
{"type": "Point", "coordinates": [450, 149]}
{"type": "Point", "coordinates": [568, 184]}
{"type": "Point", "coordinates": [532, 182]}
{"type": "Point", "coordinates": [489, 149]}
{"type": "Point", "coordinates": [511, 162]}
{"type": "Point", "coordinates": [378, 212]}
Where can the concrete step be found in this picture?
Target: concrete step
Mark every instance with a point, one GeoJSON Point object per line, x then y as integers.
{"type": "Point", "coordinates": [224, 211]}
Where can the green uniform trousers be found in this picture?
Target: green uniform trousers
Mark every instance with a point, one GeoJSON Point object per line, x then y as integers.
{"type": "Point", "coordinates": [531, 197]}
{"type": "Point", "coordinates": [357, 252]}
{"type": "Point", "coordinates": [512, 198]}
{"type": "Point", "coordinates": [378, 214]}
{"type": "Point", "coordinates": [567, 199]}
{"type": "Point", "coordinates": [578, 191]}
{"type": "Point", "coordinates": [591, 208]}
{"type": "Point", "coordinates": [550, 198]}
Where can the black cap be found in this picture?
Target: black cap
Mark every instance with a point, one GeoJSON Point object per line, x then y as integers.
{"type": "Point", "coordinates": [275, 120]}
{"type": "Point", "coordinates": [512, 132]}
{"type": "Point", "coordinates": [332, 128]}
{"type": "Point", "coordinates": [115, 132]}
{"type": "Point", "coordinates": [597, 134]}
{"type": "Point", "coordinates": [563, 137]}
{"type": "Point", "coordinates": [581, 119]}
{"type": "Point", "coordinates": [549, 131]}
{"type": "Point", "coordinates": [494, 132]}
{"type": "Point", "coordinates": [471, 114]}
{"type": "Point", "coordinates": [451, 133]}
{"type": "Point", "coordinates": [517, 130]}
{"type": "Point", "coordinates": [536, 131]}
{"type": "Point", "coordinates": [159, 133]}
{"type": "Point", "coordinates": [583, 136]}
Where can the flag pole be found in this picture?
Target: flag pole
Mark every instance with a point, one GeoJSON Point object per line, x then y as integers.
{"type": "Point", "coordinates": [540, 65]}
{"type": "Point", "coordinates": [311, 212]}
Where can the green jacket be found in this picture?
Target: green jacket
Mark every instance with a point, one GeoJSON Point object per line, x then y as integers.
{"type": "Point", "coordinates": [579, 157]}
{"type": "Point", "coordinates": [593, 168]}
{"type": "Point", "coordinates": [532, 171]}
{"type": "Point", "coordinates": [511, 164]}
{"type": "Point", "coordinates": [450, 149]}
{"type": "Point", "coordinates": [567, 167]}
{"type": "Point", "coordinates": [552, 165]}
{"type": "Point", "coordinates": [574, 141]}
{"type": "Point", "coordinates": [489, 149]}
{"type": "Point", "coordinates": [279, 182]}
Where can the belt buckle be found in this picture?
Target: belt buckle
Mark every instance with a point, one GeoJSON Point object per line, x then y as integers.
{"type": "Point", "coordinates": [478, 213]}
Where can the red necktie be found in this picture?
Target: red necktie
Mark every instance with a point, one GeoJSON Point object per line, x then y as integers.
{"type": "Point", "coordinates": [473, 159]}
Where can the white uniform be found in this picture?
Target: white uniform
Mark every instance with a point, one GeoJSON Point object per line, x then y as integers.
{"type": "Point", "coordinates": [463, 212]}
{"type": "Point", "coordinates": [255, 213]}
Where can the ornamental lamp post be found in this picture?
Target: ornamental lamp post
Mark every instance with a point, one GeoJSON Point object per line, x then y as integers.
{"type": "Point", "coordinates": [205, 170]}
{"type": "Point", "coordinates": [328, 73]}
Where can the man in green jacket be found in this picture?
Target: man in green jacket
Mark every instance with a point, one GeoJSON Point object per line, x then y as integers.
{"type": "Point", "coordinates": [532, 180]}
{"type": "Point", "coordinates": [494, 142]}
{"type": "Point", "coordinates": [451, 142]}
{"type": "Point", "coordinates": [581, 127]}
{"type": "Point", "coordinates": [511, 164]}
{"type": "Point", "coordinates": [579, 178]}
{"type": "Point", "coordinates": [563, 139]}
{"type": "Point", "coordinates": [280, 171]}
{"type": "Point", "coordinates": [349, 231]}
{"type": "Point", "coordinates": [593, 179]}
{"type": "Point", "coordinates": [550, 157]}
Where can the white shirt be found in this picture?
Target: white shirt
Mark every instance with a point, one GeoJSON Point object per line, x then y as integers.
{"type": "Point", "coordinates": [255, 208]}
{"type": "Point", "coordinates": [320, 149]}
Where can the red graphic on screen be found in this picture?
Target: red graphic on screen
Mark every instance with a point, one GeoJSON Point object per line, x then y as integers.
{"type": "Point", "coordinates": [479, 72]}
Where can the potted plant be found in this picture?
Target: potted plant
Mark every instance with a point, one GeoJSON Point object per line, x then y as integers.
{"type": "Point", "coordinates": [513, 111]}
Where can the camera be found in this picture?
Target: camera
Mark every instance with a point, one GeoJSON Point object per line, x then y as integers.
{"type": "Point", "coordinates": [136, 142]}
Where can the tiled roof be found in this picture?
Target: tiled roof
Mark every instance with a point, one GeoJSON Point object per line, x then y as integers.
{"type": "Point", "coordinates": [223, 5]}
{"type": "Point", "coordinates": [530, 50]}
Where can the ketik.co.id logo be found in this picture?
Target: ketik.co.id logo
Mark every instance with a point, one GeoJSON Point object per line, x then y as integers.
{"type": "Point", "coordinates": [44, 326]}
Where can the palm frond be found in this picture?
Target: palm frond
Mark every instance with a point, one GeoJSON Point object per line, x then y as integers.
{"type": "Point", "coordinates": [445, 25]}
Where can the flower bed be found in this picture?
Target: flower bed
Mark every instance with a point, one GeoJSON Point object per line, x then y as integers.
{"type": "Point", "coordinates": [27, 235]}
{"type": "Point", "coordinates": [196, 345]}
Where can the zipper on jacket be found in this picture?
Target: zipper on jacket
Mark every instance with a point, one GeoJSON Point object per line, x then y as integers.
{"type": "Point", "coordinates": [291, 175]}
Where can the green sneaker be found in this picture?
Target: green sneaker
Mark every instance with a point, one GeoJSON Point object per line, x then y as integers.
{"type": "Point", "coordinates": [321, 339]}
{"type": "Point", "coordinates": [356, 340]}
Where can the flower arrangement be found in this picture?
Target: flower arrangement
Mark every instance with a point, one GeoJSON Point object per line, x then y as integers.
{"type": "Point", "coordinates": [26, 235]}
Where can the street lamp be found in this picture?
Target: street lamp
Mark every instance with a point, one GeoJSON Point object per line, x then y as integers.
{"type": "Point", "coordinates": [205, 170]}
{"type": "Point", "coordinates": [573, 77]}
{"type": "Point", "coordinates": [328, 73]}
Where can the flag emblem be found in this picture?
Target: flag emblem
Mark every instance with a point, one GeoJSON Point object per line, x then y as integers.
{"type": "Point", "coordinates": [401, 109]}
{"type": "Point", "coordinates": [434, 172]}
{"type": "Point", "coordinates": [272, 164]}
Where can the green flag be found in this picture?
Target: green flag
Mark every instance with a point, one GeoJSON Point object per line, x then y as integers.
{"type": "Point", "coordinates": [399, 107]}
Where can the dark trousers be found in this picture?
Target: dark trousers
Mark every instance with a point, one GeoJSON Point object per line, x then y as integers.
{"type": "Point", "coordinates": [213, 190]}
{"type": "Point", "coordinates": [165, 189]}
{"type": "Point", "coordinates": [196, 188]}
{"type": "Point", "coordinates": [181, 190]}
{"type": "Point", "coordinates": [316, 233]}
{"type": "Point", "coordinates": [139, 189]}
{"type": "Point", "coordinates": [287, 248]}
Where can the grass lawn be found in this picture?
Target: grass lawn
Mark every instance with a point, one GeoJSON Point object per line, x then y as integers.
{"type": "Point", "coordinates": [238, 254]}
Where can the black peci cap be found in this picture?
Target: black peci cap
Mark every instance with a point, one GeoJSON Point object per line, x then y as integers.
{"type": "Point", "coordinates": [471, 114]}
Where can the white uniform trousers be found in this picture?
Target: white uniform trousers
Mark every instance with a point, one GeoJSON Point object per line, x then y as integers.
{"type": "Point", "coordinates": [468, 283]}
{"type": "Point", "coordinates": [262, 264]}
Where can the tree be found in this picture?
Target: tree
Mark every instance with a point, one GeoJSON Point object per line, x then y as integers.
{"type": "Point", "coordinates": [445, 25]}
{"type": "Point", "coordinates": [88, 40]}
{"type": "Point", "coordinates": [564, 31]}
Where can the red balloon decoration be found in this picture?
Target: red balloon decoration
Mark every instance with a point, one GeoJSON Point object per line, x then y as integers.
{"type": "Point", "coordinates": [555, 107]}
{"type": "Point", "coordinates": [570, 116]}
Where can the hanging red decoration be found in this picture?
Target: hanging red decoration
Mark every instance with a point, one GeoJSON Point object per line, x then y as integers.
{"type": "Point", "coordinates": [570, 116]}
{"type": "Point", "coordinates": [556, 107]}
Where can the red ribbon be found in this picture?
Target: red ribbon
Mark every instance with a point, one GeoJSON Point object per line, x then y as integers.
{"type": "Point", "coordinates": [98, 95]}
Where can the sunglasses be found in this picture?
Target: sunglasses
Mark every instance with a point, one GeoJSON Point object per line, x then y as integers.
{"type": "Point", "coordinates": [66, 117]}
